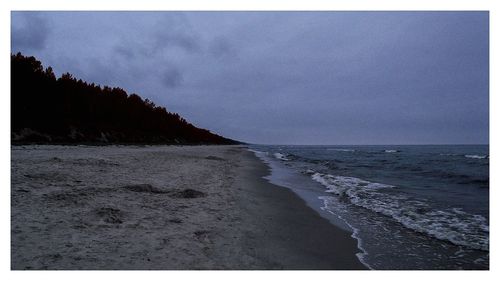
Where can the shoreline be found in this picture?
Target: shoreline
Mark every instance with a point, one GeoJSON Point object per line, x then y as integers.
{"type": "Point", "coordinates": [163, 207]}
{"type": "Point", "coordinates": [304, 239]}
{"type": "Point", "coordinates": [310, 193]}
{"type": "Point", "coordinates": [354, 189]}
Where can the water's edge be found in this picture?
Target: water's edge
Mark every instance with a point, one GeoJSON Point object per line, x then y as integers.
{"type": "Point", "coordinates": [359, 200]}
{"type": "Point", "coordinates": [337, 221]}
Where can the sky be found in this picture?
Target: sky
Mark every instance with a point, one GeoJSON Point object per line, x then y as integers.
{"type": "Point", "coordinates": [284, 77]}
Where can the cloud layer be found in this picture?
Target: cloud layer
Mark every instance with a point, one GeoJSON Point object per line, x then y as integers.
{"type": "Point", "coordinates": [30, 33]}
{"type": "Point", "coordinates": [285, 77]}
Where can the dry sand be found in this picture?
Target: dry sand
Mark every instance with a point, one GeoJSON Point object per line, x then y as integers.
{"type": "Point", "coordinates": [162, 207]}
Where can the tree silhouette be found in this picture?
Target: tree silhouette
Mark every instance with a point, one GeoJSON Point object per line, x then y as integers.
{"type": "Point", "coordinates": [46, 109]}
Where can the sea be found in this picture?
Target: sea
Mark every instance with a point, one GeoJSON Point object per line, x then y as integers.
{"type": "Point", "coordinates": [408, 207]}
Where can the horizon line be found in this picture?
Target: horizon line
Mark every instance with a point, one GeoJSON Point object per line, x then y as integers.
{"type": "Point", "coordinates": [373, 144]}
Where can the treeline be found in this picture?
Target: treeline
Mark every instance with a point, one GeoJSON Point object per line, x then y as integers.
{"type": "Point", "coordinates": [46, 109]}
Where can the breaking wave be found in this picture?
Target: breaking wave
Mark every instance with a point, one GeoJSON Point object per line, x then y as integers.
{"type": "Point", "coordinates": [453, 225]}
{"type": "Point", "coordinates": [341, 149]}
{"type": "Point", "coordinates": [476, 156]}
{"type": "Point", "coordinates": [281, 156]}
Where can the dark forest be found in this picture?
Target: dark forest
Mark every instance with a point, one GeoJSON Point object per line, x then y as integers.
{"type": "Point", "coordinates": [46, 109]}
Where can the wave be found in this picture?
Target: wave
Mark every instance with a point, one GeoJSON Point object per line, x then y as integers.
{"type": "Point", "coordinates": [481, 182]}
{"type": "Point", "coordinates": [341, 185]}
{"type": "Point", "coordinates": [280, 156]}
{"type": "Point", "coordinates": [309, 172]}
{"type": "Point", "coordinates": [453, 225]}
{"type": "Point", "coordinates": [391, 151]}
{"type": "Point", "coordinates": [256, 151]}
{"type": "Point", "coordinates": [341, 149]}
{"type": "Point", "coordinates": [473, 156]}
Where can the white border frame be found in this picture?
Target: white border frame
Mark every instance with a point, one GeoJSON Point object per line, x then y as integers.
{"type": "Point", "coordinates": [255, 5]}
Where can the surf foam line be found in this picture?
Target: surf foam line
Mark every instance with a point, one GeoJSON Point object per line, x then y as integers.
{"type": "Point", "coordinates": [354, 231]}
{"type": "Point", "coordinates": [455, 226]}
{"type": "Point", "coordinates": [280, 156]}
{"type": "Point", "coordinates": [473, 156]}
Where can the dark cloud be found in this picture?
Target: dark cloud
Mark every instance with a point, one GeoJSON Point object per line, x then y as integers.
{"type": "Point", "coordinates": [125, 51]}
{"type": "Point", "coordinates": [167, 39]}
{"type": "Point", "coordinates": [30, 33]}
{"type": "Point", "coordinates": [153, 50]}
{"type": "Point", "coordinates": [221, 47]}
{"type": "Point", "coordinates": [171, 77]}
{"type": "Point", "coordinates": [175, 31]}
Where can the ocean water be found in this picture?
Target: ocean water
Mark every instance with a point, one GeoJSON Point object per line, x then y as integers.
{"type": "Point", "coordinates": [409, 207]}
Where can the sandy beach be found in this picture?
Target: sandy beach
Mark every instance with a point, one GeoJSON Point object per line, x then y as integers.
{"type": "Point", "coordinates": [162, 207]}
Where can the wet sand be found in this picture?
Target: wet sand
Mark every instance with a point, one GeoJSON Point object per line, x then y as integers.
{"type": "Point", "coordinates": [163, 207]}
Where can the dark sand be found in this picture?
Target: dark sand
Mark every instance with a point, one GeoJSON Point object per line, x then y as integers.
{"type": "Point", "coordinates": [163, 207]}
{"type": "Point", "coordinates": [282, 232]}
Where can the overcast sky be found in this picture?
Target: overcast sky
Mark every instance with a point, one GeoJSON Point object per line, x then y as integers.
{"type": "Point", "coordinates": [284, 78]}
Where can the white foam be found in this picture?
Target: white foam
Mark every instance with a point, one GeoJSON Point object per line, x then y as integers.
{"type": "Point", "coordinates": [309, 172]}
{"type": "Point", "coordinates": [454, 225]}
{"type": "Point", "coordinates": [355, 232]}
{"type": "Point", "coordinates": [255, 151]}
{"type": "Point", "coordinates": [340, 184]}
{"type": "Point", "coordinates": [342, 149]}
{"type": "Point", "coordinates": [390, 151]}
{"type": "Point", "coordinates": [477, 156]}
{"type": "Point", "coordinates": [281, 156]}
